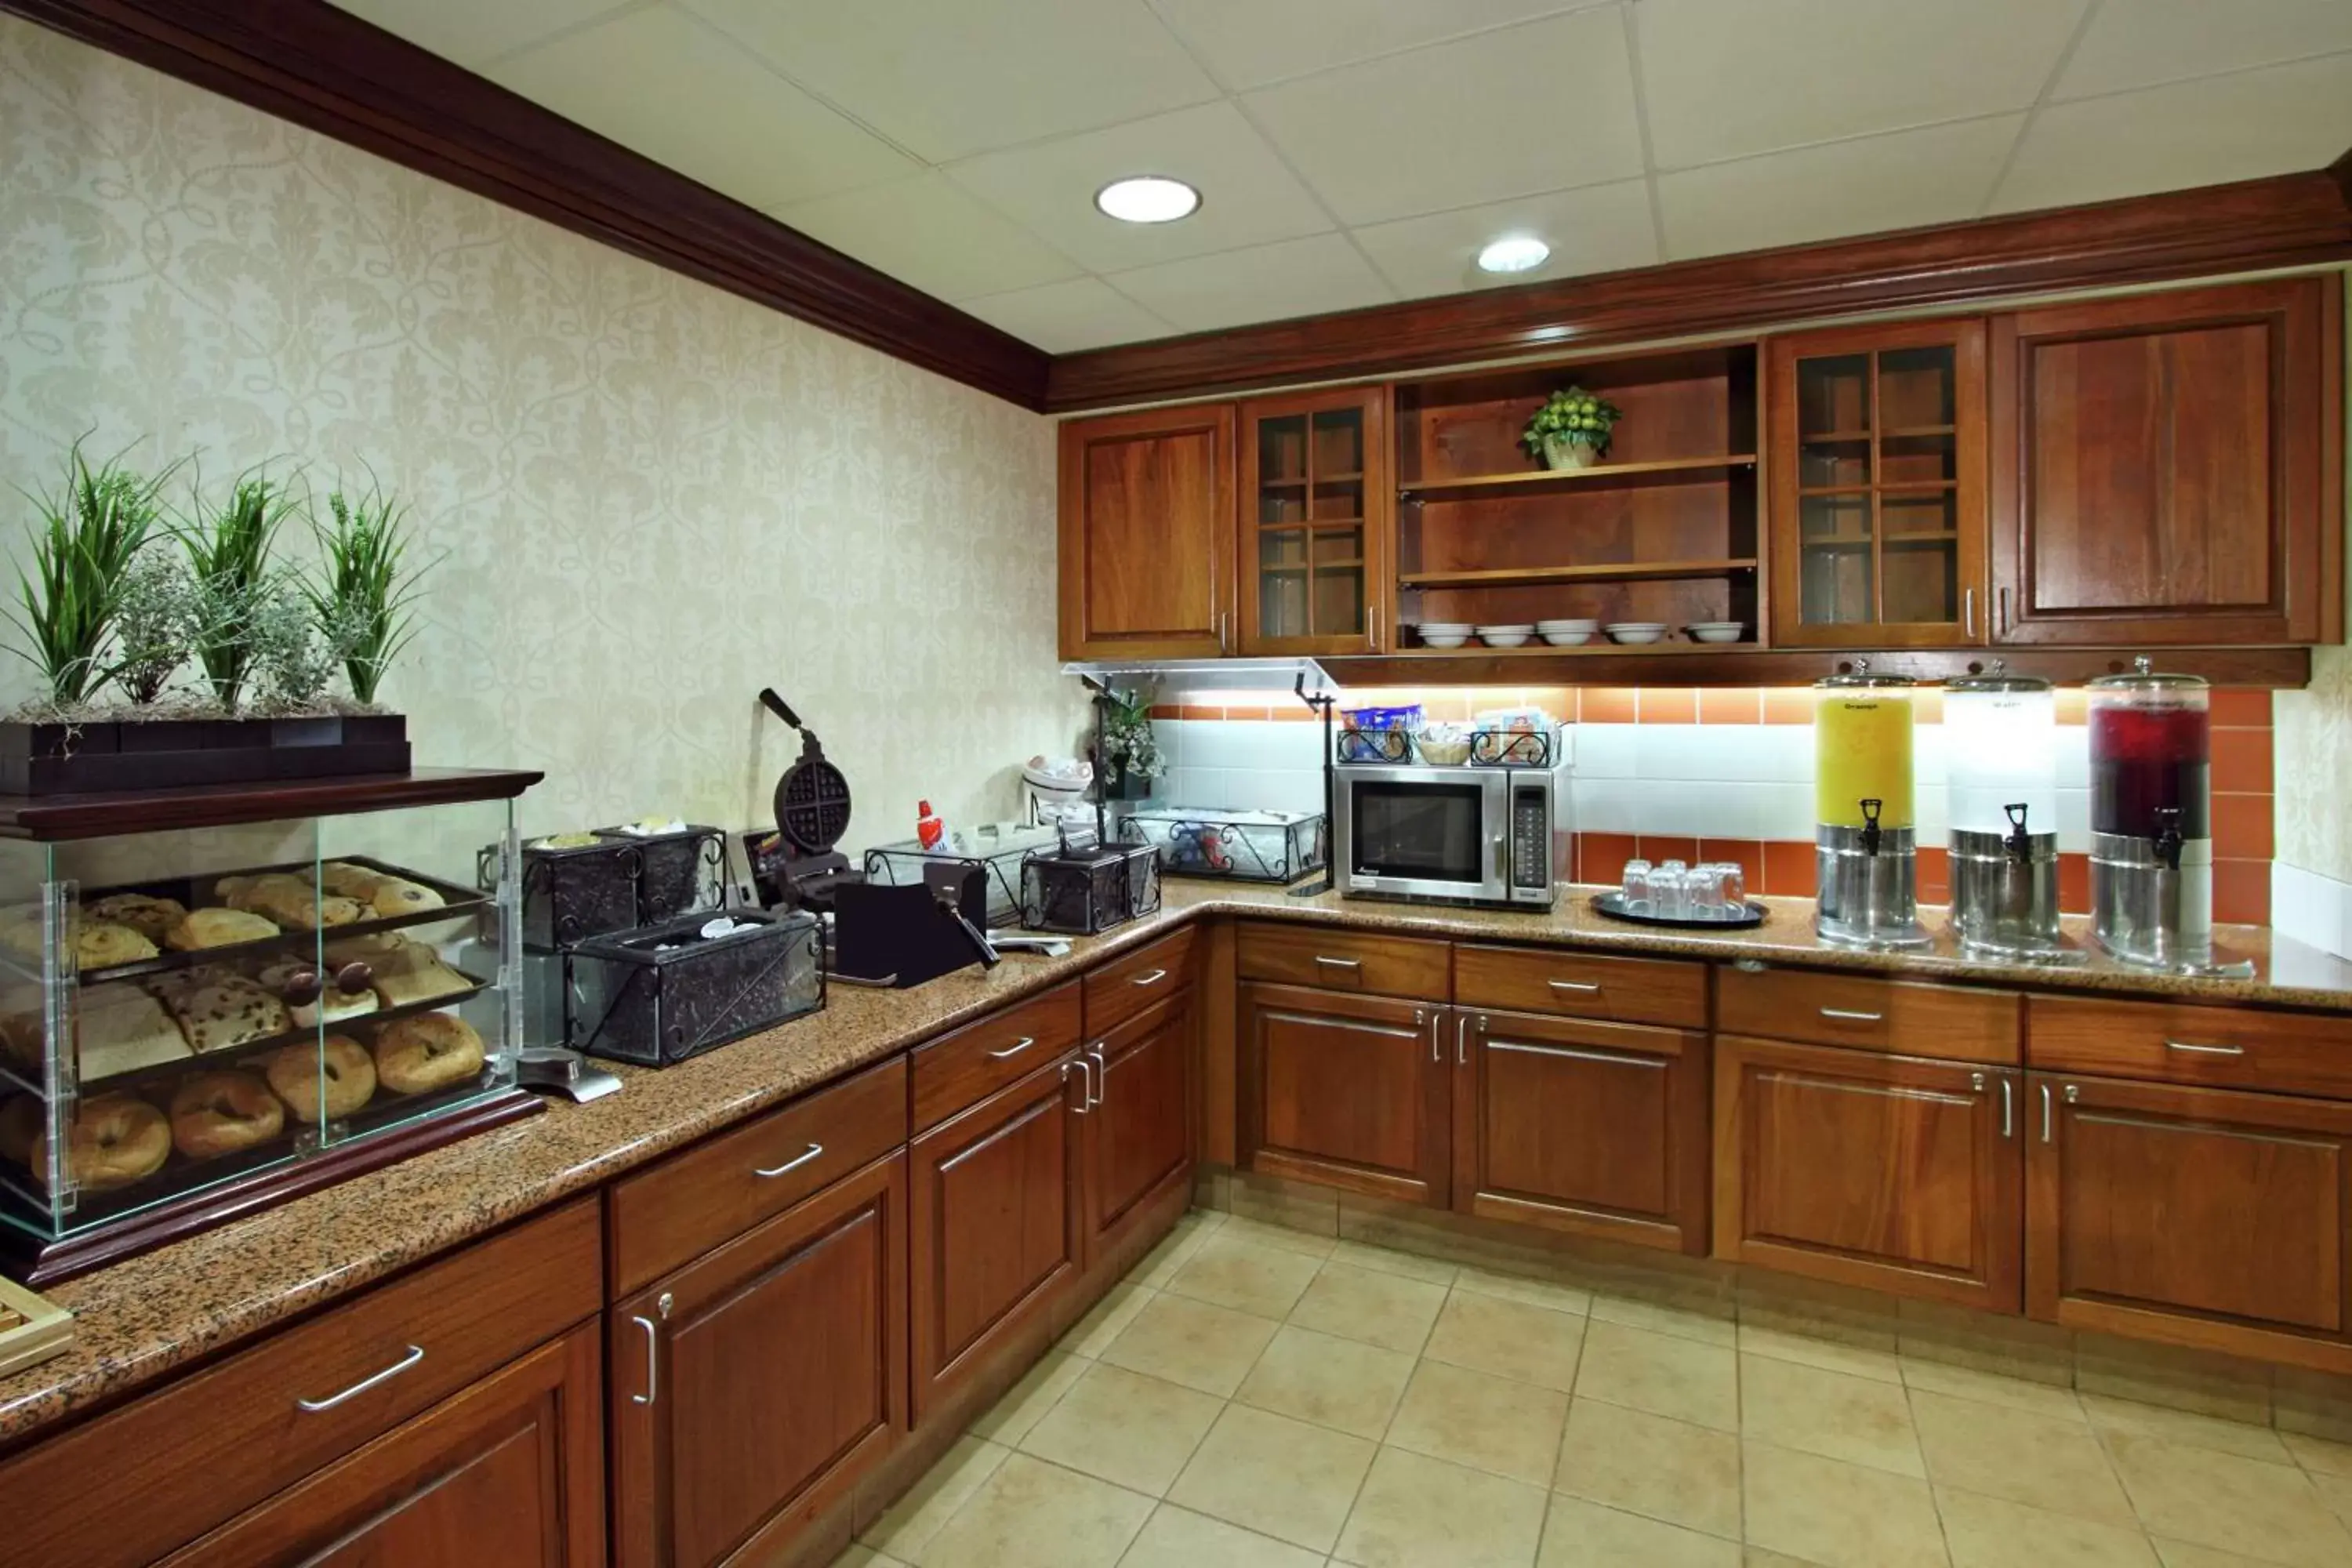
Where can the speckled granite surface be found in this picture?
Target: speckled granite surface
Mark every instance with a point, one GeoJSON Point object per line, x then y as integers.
{"type": "Point", "coordinates": [137, 1320]}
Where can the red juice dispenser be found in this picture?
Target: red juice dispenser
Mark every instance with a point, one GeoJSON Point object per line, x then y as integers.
{"type": "Point", "coordinates": [2151, 820]}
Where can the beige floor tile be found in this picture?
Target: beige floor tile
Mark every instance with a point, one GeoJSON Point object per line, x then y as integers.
{"type": "Point", "coordinates": [1125, 1427]}
{"type": "Point", "coordinates": [1667, 1469]}
{"type": "Point", "coordinates": [1580, 1535]}
{"type": "Point", "coordinates": [2181, 1554]}
{"type": "Point", "coordinates": [1092, 1334]}
{"type": "Point", "coordinates": [1177, 1538]}
{"type": "Point", "coordinates": [2320, 1455]}
{"type": "Point", "coordinates": [1275, 1476]}
{"type": "Point", "coordinates": [1389, 1260]}
{"type": "Point", "coordinates": [1495, 1424]}
{"type": "Point", "coordinates": [2336, 1491]}
{"type": "Point", "coordinates": [865, 1557]}
{"type": "Point", "coordinates": [1342, 1383]}
{"type": "Point", "coordinates": [2109, 1415]}
{"type": "Point", "coordinates": [1419, 1512]}
{"type": "Point", "coordinates": [1836, 1514]}
{"type": "Point", "coordinates": [2202, 1381]}
{"type": "Point", "coordinates": [1661, 1374]}
{"type": "Point", "coordinates": [1263, 1280]}
{"type": "Point", "coordinates": [1031, 1514]}
{"type": "Point", "coordinates": [1027, 1401]}
{"type": "Point", "coordinates": [1756, 1557]}
{"type": "Point", "coordinates": [1989, 1533]}
{"type": "Point", "coordinates": [1386, 1309]}
{"type": "Point", "coordinates": [930, 1503]}
{"type": "Point", "coordinates": [1509, 1339]}
{"type": "Point", "coordinates": [1830, 1414]}
{"type": "Point", "coordinates": [1196, 1343]}
{"type": "Point", "coordinates": [1519, 1288]}
{"type": "Point", "coordinates": [1159, 1265]}
{"type": "Point", "coordinates": [1681, 1322]}
{"type": "Point", "coordinates": [1829, 1355]}
{"type": "Point", "coordinates": [1992, 1388]}
{"type": "Point", "coordinates": [2211, 1499]}
{"type": "Point", "coordinates": [2046, 1461]}
{"type": "Point", "coordinates": [1288, 1239]}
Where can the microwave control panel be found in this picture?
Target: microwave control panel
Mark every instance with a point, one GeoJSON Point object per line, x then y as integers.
{"type": "Point", "coordinates": [1530, 838]}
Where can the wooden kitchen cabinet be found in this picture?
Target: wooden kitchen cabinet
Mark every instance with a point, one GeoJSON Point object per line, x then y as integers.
{"type": "Point", "coordinates": [1352, 1091]}
{"type": "Point", "coordinates": [998, 1227]}
{"type": "Point", "coordinates": [2206, 1217]}
{"type": "Point", "coordinates": [1315, 522]}
{"type": "Point", "coordinates": [1878, 469]}
{"type": "Point", "coordinates": [1139, 1131]}
{"type": "Point", "coordinates": [1147, 534]}
{"type": "Point", "coordinates": [1891, 1173]}
{"type": "Point", "coordinates": [2166, 469]}
{"type": "Point", "coordinates": [752, 1387]}
{"type": "Point", "coordinates": [1581, 1125]}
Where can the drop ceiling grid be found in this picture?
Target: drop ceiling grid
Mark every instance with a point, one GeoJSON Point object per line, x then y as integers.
{"type": "Point", "coordinates": [1354, 151]}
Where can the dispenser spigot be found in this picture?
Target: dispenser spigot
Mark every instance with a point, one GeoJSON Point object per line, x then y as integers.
{"type": "Point", "coordinates": [2168, 838]}
{"type": "Point", "coordinates": [1870, 830]}
{"type": "Point", "coordinates": [2020, 846]}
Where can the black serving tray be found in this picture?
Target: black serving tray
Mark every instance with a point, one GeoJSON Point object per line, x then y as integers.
{"type": "Point", "coordinates": [1749, 913]}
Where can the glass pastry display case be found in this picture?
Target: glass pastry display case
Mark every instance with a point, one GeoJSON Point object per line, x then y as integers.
{"type": "Point", "coordinates": [211, 999]}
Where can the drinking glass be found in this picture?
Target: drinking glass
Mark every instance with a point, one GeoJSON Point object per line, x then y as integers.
{"type": "Point", "coordinates": [1670, 895]}
{"type": "Point", "coordinates": [1637, 884]}
{"type": "Point", "coordinates": [1734, 885]}
{"type": "Point", "coordinates": [1707, 889]}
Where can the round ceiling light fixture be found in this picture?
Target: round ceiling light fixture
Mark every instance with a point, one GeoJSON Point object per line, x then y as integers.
{"type": "Point", "coordinates": [1148, 198]}
{"type": "Point", "coordinates": [1514, 253]}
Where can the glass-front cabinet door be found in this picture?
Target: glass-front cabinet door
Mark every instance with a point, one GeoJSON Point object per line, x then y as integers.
{"type": "Point", "coordinates": [1878, 458]}
{"type": "Point", "coordinates": [1316, 504]}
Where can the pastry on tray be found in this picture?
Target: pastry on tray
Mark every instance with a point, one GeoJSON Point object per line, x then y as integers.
{"type": "Point", "coordinates": [326, 1081]}
{"type": "Point", "coordinates": [216, 1113]}
{"type": "Point", "coordinates": [99, 944]}
{"type": "Point", "coordinates": [124, 1029]}
{"type": "Point", "coordinates": [228, 1010]}
{"type": "Point", "coordinates": [150, 916]}
{"type": "Point", "coordinates": [311, 997]}
{"type": "Point", "coordinates": [217, 928]}
{"type": "Point", "coordinates": [115, 1139]}
{"type": "Point", "coordinates": [429, 1051]}
{"type": "Point", "coordinates": [288, 902]}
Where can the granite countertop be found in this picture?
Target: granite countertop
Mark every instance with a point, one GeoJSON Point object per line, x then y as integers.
{"type": "Point", "coordinates": [139, 1318]}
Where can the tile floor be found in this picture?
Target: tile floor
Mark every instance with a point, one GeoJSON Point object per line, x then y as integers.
{"type": "Point", "coordinates": [1256, 1397]}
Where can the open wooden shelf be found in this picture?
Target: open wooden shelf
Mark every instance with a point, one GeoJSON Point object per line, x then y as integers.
{"type": "Point", "coordinates": [1537, 577]}
{"type": "Point", "coordinates": [1895, 433]}
{"type": "Point", "coordinates": [1600, 473]}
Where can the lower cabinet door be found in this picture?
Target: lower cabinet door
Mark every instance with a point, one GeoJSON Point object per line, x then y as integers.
{"type": "Point", "coordinates": [1354, 1091]}
{"type": "Point", "coordinates": [752, 1387]}
{"type": "Point", "coordinates": [2204, 1215]}
{"type": "Point", "coordinates": [1138, 1132]}
{"type": "Point", "coordinates": [509, 1473]}
{"type": "Point", "coordinates": [1894, 1172]}
{"type": "Point", "coordinates": [994, 1197]}
{"type": "Point", "coordinates": [1582, 1126]}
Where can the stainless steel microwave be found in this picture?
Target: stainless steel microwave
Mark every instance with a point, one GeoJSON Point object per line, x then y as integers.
{"type": "Point", "coordinates": [1464, 835]}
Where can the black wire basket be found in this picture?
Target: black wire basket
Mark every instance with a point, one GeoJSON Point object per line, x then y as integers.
{"type": "Point", "coordinates": [663, 995]}
{"type": "Point", "coordinates": [1511, 748]}
{"type": "Point", "coordinates": [900, 865]}
{"type": "Point", "coordinates": [1374, 746]}
{"type": "Point", "coordinates": [620, 882]}
{"type": "Point", "coordinates": [1237, 845]}
{"type": "Point", "coordinates": [1081, 891]}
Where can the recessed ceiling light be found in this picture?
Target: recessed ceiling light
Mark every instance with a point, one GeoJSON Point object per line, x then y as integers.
{"type": "Point", "coordinates": [1514, 253]}
{"type": "Point", "coordinates": [1148, 198]}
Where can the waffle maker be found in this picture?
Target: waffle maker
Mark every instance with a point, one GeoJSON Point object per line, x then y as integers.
{"type": "Point", "coordinates": [799, 862]}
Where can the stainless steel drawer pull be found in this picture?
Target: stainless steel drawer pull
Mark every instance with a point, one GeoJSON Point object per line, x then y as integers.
{"type": "Point", "coordinates": [1339, 962]}
{"type": "Point", "coordinates": [791, 1164]}
{"type": "Point", "coordinates": [2007, 1110]}
{"type": "Point", "coordinates": [2204, 1050]}
{"type": "Point", "coordinates": [1573, 985]}
{"type": "Point", "coordinates": [1154, 978]}
{"type": "Point", "coordinates": [1851, 1018]}
{"type": "Point", "coordinates": [313, 1406]}
{"type": "Point", "coordinates": [2045, 1113]}
{"type": "Point", "coordinates": [1099, 1080]}
{"type": "Point", "coordinates": [1014, 1049]}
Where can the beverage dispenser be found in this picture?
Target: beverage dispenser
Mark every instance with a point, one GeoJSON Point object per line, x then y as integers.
{"type": "Point", "coordinates": [1866, 853]}
{"type": "Point", "coordinates": [2000, 742]}
{"type": "Point", "coordinates": [2151, 820]}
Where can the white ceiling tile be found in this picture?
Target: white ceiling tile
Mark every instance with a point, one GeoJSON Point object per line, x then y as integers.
{"type": "Point", "coordinates": [950, 78]}
{"type": "Point", "coordinates": [1597, 229]}
{"type": "Point", "coordinates": [1725, 78]}
{"type": "Point", "coordinates": [662, 83]}
{"type": "Point", "coordinates": [471, 32]}
{"type": "Point", "coordinates": [1250, 43]}
{"type": "Point", "coordinates": [1247, 197]}
{"type": "Point", "coordinates": [928, 232]}
{"type": "Point", "coordinates": [2203, 132]}
{"type": "Point", "coordinates": [1504, 114]}
{"type": "Point", "coordinates": [1939, 174]}
{"type": "Point", "coordinates": [2139, 43]}
{"type": "Point", "coordinates": [1265, 283]}
{"type": "Point", "coordinates": [1064, 317]}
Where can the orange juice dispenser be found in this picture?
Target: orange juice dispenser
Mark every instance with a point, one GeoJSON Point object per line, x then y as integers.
{"type": "Point", "coordinates": [1864, 849]}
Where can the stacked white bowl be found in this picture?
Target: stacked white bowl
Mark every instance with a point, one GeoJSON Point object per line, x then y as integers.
{"type": "Point", "coordinates": [1508, 635]}
{"type": "Point", "coordinates": [1567, 634]}
{"type": "Point", "coordinates": [1444, 633]}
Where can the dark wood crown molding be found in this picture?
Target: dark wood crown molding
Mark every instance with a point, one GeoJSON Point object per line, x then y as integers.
{"type": "Point", "coordinates": [306, 61]}
{"type": "Point", "coordinates": [2288, 220]}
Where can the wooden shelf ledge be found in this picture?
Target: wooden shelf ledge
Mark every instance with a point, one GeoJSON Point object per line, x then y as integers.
{"type": "Point", "coordinates": [1537, 576]}
{"type": "Point", "coordinates": [1600, 473]}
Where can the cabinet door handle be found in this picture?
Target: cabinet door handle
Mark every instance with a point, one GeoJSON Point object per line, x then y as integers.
{"type": "Point", "coordinates": [1843, 1015]}
{"type": "Point", "coordinates": [1968, 612]}
{"type": "Point", "coordinates": [1086, 1082]}
{"type": "Point", "coordinates": [1372, 626]}
{"type": "Point", "coordinates": [1338, 962]}
{"type": "Point", "coordinates": [653, 1352]}
{"type": "Point", "coordinates": [2002, 602]}
{"type": "Point", "coordinates": [793, 1163]}
{"type": "Point", "coordinates": [1154, 978]}
{"type": "Point", "coordinates": [1461, 1039]}
{"type": "Point", "coordinates": [313, 1406]}
{"type": "Point", "coordinates": [2008, 1109]}
{"type": "Point", "coordinates": [2204, 1050]}
{"type": "Point", "coordinates": [2045, 1113]}
{"type": "Point", "coordinates": [1100, 1075]}
{"type": "Point", "coordinates": [1436, 1023]}
{"type": "Point", "coordinates": [1014, 1049]}
{"type": "Point", "coordinates": [1580, 985]}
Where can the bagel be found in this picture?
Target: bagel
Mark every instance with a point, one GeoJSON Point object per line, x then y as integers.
{"type": "Point", "coordinates": [116, 1139]}
{"type": "Point", "coordinates": [216, 1113]}
{"type": "Point", "coordinates": [336, 1074]}
{"type": "Point", "coordinates": [429, 1051]}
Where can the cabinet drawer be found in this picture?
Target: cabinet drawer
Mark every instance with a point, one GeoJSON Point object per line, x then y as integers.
{"type": "Point", "coordinates": [2292, 1053]}
{"type": "Point", "coordinates": [130, 1486]}
{"type": "Point", "coordinates": [1954, 1022]}
{"type": "Point", "coordinates": [1126, 986]}
{"type": "Point", "coordinates": [966, 1067]}
{"type": "Point", "coordinates": [713, 1192]}
{"type": "Point", "coordinates": [1345, 961]}
{"type": "Point", "coordinates": [1581, 984]}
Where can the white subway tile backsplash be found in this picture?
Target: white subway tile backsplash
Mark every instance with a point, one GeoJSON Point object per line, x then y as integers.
{"type": "Point", "coordinates": [2074, 757]}
{"type": "Point", "coordinates": [2311, 908]}
{"type": "Point", "coordinates": [2074, 821]}
{"type": "Point", "coordinates": [1788, 752]}
{"type": "Point", "coordinates": [1606, 806]}
{"type": "Point", "coordinates": [1605, 751]}
{"type": "Point", "coordinates": [1790, 810]}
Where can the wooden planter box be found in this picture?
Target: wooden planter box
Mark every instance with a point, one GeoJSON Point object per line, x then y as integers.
{"type": "Point", "coordinates": [60, 759]}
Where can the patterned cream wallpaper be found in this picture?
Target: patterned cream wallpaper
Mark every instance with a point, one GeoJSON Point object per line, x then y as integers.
{"type": "Point", "coordinates": [655, 497]}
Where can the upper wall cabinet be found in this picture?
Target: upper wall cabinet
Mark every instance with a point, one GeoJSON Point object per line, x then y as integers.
{"type": "Point", "coordinates": [2166, 469]}
{"type": "Point", "coordinates": [1877, 463]}
{"type": "Point", "coordinates": [1315, 521]}
{"type": "Point", "coordinates": [1147, 534]}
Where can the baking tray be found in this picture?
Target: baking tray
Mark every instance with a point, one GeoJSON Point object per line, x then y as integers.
{"type": "Point", "coordinates": [1749, 913]}
{"type": "Point", "coordinates": [31, 1330]}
